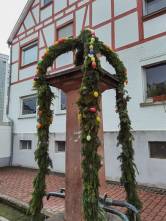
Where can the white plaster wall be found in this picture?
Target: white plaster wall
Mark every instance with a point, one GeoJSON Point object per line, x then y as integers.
{"type": "Point", "coordinates": [41, 40]}
{"type": "Point", "coordinates": [49, 33]}
{"type": "Point", "coordinates": [59, 5]}
{"type": "Point", "coordinates": [22, 29]}
{"type": "Point", "coordinates": [24, 158]}
{"type": "Point", "coordinates": [155, 26]}
{"type": "Point", "coordinates": [64, 19]}
{"type": "Point", "coordinates": [142, 118]}
{"type": "Point", "coordinates": [35, 12]}
{"type": "Point", "coordinates": [7, 83]}
{"type": "Point", "coordinates": [27, 72]}
{"type": "Point", "coordinates": [124, 6]}
{"type": "Point", "coordinates": [150, 170]}
{"type": "Point", "coordinates": [29, 22]}
{"type": "Point", "coordinates": [15, 52]}
{"type": "Point", "coordinates": [29, 38]}
{"type": "Point", "coordinates": [46, 13]}
{"type": "Point", "coordinates": [58, 158]}
{"type": "Point", "coordinates": [102, 8]}
{"type": "Point", "coordinates": [5, 138]}
{"type": "Point", "coordinates": [14, 72]}
{"type": "Point", "coordinates": [104, 33]}
{"type": "Point", "coordinates": [28, 125]}
{"type": "Point", "coordinates": [79, 20]}
{"type": "Point", "coordinates": [126, 30]}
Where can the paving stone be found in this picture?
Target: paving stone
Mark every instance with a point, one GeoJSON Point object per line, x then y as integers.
{"type": "Point", "coordinates": [16, 183]}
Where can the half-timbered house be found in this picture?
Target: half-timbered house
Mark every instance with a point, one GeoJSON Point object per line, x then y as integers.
{"type": "Point", "coordinates": [133, 28]}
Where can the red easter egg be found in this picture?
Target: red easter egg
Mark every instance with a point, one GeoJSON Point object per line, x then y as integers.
{"type": "Point", "coordinates": [92, 109]}
{"type": "Point", "coordinates": [94, 64]}
{"type": "Point", "coordinates": [61, 40]}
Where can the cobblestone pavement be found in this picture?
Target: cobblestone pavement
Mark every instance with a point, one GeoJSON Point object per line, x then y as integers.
{"type": "Point", "coordinates": [17, 183]}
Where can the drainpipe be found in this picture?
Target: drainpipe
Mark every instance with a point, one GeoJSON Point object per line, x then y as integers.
{"type": "Point", "coordinates": [7, 110]}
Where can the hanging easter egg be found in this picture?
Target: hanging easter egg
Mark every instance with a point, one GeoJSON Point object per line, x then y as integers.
{"type": "Point", "coordinates": [92, 40]}
{"type": "Point", "coordinates": [92, 109]}
{"type": "Point", "coordinates": [46, 51]}
{"type": "Point", "coordinates": [98, 119]}
{"type": "Point", "coordinates": [96, 94]}
{"type": "Point", "coordinates": [91, 47]}
{"type": "Point", "coordinates": [40, 62]}
{"type": "Point", "coordinates": [56, 42]}
{"type": "Point", "coordinates": [93, 59]}
{"type": "Point", "coordinates": [93, 32]}
{"type": "Point", "coordinates": [91, 52]}
{"type": "Point", "coordinates": [61, 40]}
{"type": "Point", "coordinates": [84, 88]}
{"type": "Point", "coordinates": [88, 138]}
{"type": "Point", "coordinates": [126, 82]}
{"type": "Point", "coordinates": [34, 83]}
{"type": "Point", "coordinates": [35, 78]}
{"type": "Point", "coordinates": [94, 65]}
{"type": "Point", "coordinates": [40, 112]}
{"type": "Point", "coordinates": [39, 126]}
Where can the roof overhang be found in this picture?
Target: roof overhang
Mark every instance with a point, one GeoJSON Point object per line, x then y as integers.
{"type": "Point", "coordinates": [20, 20]}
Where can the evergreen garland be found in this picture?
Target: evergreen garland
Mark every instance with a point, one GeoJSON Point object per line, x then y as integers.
{"type": "Point", "coordinates": [45, 116]}
{"type": "Point", "coordinates": [86, 47]}
{"type": "Point", "coordinates": [89, 106]}
{"type": "Point", "coordinates": [125, 137]}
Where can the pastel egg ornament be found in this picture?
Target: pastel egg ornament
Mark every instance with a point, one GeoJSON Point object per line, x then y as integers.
{"type": "Point", "coordinates": [92, 109]}
{"type": "Point", "coordinates": [88, 138]}
{"type": "Point", "coordinates": [96, 94]}
{"type": "Point", "coordinates": [94, 65]}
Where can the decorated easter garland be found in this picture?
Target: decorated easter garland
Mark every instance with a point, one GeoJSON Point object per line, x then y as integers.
{"type": "Point", "coordinates": [87, 47]}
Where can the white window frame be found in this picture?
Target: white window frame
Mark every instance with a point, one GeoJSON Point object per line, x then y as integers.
{"type": "Point", "coordinates": [21, 115]}
{"type": "Point", "coordinates": [149, 99]}
{"type": "Point", "coordinates": [56, 146]}
{"type": "Point", "coordinates": [71, 23]}
{"type": "Point", "coordinates": [25, 48]}
{"type": "Point", "coordinates": [22, 149]}
{"type": "Point", "coordinates": [147, 62]}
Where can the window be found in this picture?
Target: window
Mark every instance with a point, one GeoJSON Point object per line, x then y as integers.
{"type": "Point", "coordinates": [154, 5]}
{"type": "Point", "coordinates": [65, 31]}
{"type": "Point", "coordinates": [63, 100]}
{"type": "Point", "coordinates": [25, 144]}
{"type": "Point", "coordinates": [60, 146]}
{"type": "Point", "coordinates": [28, 106]}
{"type": "Point", "coordinates": [157, 149]}
{"type": "Point", "coordinates": [46, 2]}
{"type": "Point", "coordinates": [29, 53]}
{"type": "Point", "coordinates": [156, 80]}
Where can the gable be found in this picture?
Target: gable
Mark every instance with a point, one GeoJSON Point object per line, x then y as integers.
{"type": "Point", "coordinates": [20, 27]}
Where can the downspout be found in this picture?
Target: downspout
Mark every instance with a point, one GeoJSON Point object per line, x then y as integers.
{"type": "Point", "coordinates": [7, 109]}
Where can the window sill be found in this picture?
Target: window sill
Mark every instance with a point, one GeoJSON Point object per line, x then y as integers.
{"type": "Point", "coordinates": [60, 113]}
{"type": "Point", "coordinates": [151, 103]}
{"type": "Point", "coordinates": [27, 116]}
{"type": "Point", "coordinates": [28, 65]}
{"type": "Point", "coordinates": [154, 14]}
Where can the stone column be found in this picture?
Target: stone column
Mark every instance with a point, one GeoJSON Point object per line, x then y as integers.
{"type": "Point", "coordinates": [73, 199]}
